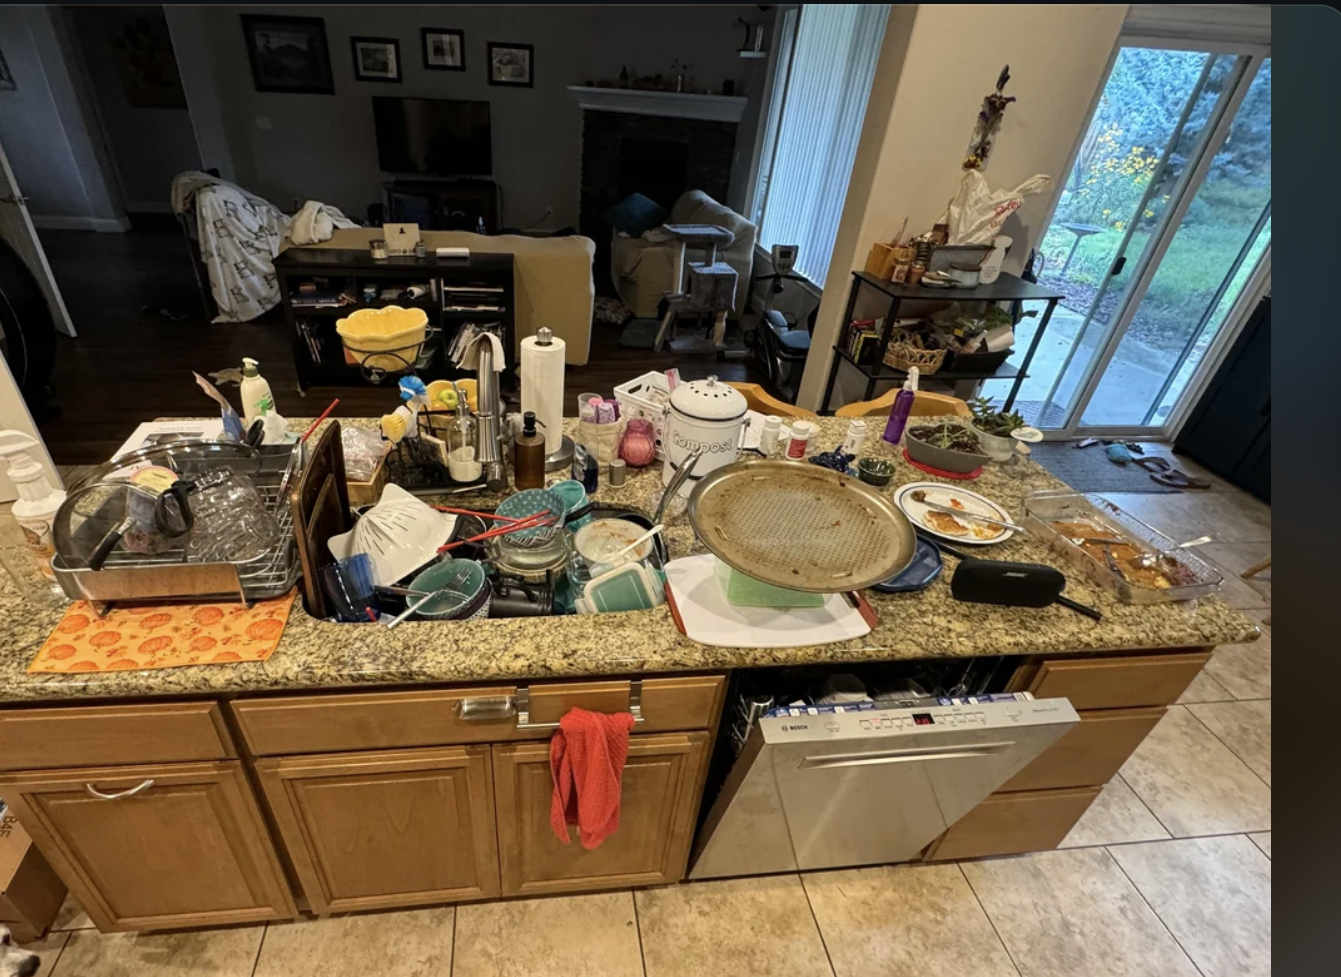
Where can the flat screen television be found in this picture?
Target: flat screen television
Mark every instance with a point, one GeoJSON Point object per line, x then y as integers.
{"type": "Point", "coordinates": [436, 136]}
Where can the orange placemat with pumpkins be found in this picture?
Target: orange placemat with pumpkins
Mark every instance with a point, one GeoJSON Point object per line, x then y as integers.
{"type": "Point", "coordinates": [163, 636]}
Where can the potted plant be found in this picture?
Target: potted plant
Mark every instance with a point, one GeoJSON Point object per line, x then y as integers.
{"type": "Point", "coordinates": [947, 447]}
{"type": "Point", "coordinates": [994, 428]}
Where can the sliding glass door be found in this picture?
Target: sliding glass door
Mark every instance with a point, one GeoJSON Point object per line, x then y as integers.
{"type": "Point", "coordinates": [1163, 220]}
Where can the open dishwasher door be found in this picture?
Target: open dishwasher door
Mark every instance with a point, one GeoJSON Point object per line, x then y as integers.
{"type": "Point", "coordinates": [826, 787]}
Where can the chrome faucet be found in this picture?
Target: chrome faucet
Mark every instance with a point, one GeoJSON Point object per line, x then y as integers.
{"type": "Point", "coordinates": [490, 416]}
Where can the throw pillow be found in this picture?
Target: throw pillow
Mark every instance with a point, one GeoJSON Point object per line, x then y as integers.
{"type": "Point", "coordinates": [635, 214]}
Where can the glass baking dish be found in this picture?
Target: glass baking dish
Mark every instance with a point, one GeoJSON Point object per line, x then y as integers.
{"type": "Point", "coordinates": [1042, 510]}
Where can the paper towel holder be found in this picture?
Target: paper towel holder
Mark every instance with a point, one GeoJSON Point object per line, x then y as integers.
{"type": "Point", "coordinates": [562, 457]}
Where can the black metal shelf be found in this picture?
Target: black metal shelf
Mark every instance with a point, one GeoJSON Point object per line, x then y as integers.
{"type": "Point", "coordinates": [884, 372]}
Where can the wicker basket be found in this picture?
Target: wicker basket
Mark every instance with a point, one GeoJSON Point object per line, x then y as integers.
{"type": "Point", "coordinates": [902, 354]}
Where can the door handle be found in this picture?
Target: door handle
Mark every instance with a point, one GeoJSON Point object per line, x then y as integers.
{"type": "Point", "coordinates": [94, 792]}
{"type": "Point", "coordinates": [486, 709]}
{"type": "Point", "coordinates": [14, 198]}
{"type": "Point", "coordinates": [912, 755]}
{"type": "Point", "coordinates": [1119, 265]}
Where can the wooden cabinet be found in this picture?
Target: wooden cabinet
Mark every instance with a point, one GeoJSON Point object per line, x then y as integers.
{"type": "Point", "coordinates": [155, 846]}
{"type": "Point", "coordinates": [661, 787]}
{"type": "Point", "coordinates": [1010, 823]}
{"type": "Point", "coordinates": [382, 829]}
{"type": "Point", "coordinates": [1117, 682]}
{"type": "Point", "coordinates": [1090, 753]}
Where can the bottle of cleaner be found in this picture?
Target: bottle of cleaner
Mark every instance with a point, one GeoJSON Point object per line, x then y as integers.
{"type": "Point", "coordinates": [38, 498]}
{"type": "Point", "coordinates": [903, 406]}
{"type": "Point", "coordinates": [257, 400]}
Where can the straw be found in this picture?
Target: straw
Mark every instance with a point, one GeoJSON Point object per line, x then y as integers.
{"type": "Point", "coordinates": [324, 414]}
{"type": "Point", "coordinates": [479, 515]}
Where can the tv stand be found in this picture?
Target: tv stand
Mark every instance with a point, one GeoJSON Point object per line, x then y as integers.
{"type": "Point", "coordinates": [448, 204]}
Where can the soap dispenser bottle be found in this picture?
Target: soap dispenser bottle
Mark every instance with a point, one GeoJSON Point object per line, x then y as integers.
{"type": "Point", "coordinates": [257, 400]}
{"type": "Point", "coordinates": [528, 455]}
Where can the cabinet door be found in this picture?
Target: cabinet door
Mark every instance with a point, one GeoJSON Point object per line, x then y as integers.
{"type": "Point", "coordinates": [155, 847]}
{"type": "Point", "coordinates": [384, 829]}
{"type": "Point", "coordinates": [661, 790]}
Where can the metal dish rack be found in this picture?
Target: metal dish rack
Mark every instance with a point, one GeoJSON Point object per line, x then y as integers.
{"type": "Point", "coordinates": [129, 577]}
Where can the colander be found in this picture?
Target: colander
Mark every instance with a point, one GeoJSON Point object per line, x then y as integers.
{"type": "Point", "coordinates": [801, 526]}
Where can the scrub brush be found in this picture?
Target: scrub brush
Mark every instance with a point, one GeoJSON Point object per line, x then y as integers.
{"type": "Point", "coordinates": [403, 422]}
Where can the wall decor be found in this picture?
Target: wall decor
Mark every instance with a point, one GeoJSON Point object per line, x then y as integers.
{"type": "Point", "coordinates": [511, 65]}
{"type": "Point", "coordinates": [145, 61]}
{"type": "Point", "coordinates": [376, 58]}
{"type": "Point", "coordinates": [444, 48]}
{"type": "Point", "coordinates": [288, 54]}
{"type": "Point", "coordinates": [988, 122]}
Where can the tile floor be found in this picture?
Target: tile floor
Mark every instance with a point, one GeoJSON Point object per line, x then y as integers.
{"type": "Point", "coordinates": [1167, 875]}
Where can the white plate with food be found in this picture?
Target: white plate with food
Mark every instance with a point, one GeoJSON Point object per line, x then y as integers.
{"type": "Point", "coordinates": [947, 526]}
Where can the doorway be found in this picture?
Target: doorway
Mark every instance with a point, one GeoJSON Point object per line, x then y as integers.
{"type": "Point", "coordinates": [1161, 234]}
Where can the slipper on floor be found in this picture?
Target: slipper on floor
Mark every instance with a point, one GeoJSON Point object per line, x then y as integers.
{"type": "Point", "coordinates": [1155, 464]}
{"type": "Point", "coordinates": [1173, 478]}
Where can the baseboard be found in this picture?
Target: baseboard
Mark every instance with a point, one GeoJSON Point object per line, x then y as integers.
{"type": "Point", "coordinates": [106, 225]}
{"type": "Point", "coordinates": [148, 207]}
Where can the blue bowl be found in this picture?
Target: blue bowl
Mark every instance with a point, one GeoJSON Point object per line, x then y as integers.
{"type": "Point", "coordinates": [527, 503]}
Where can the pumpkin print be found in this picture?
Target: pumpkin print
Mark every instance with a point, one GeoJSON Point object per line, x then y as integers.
{"type": "Point", "coordinates": [61, 652]}
{"type": "Point", "coordinates": [121, 665]}
{"type": "Point", "coordinates": [203, 643]}
{"type": "Point", "coordinates": [154, 645]}
{"type": "Point", "coordinates": [156, 621]}
{"type": "Point", "coordinates": [206, 616]}
{"type": "Point", "coordinates": [105, 639]}
{"type": "Point", "coordinates": [266, 630]}
{"type": "Point", "coordinates": [227, 656]}
{"type": "Point", "coordinates": [84, 666]}
{"type": "Point", "coordinates": [73, 623]}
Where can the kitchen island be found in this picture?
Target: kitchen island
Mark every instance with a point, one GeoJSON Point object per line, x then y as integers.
{"type": "Point", "coordinates": [360, 768]}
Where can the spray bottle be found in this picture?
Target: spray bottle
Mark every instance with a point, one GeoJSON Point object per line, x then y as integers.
{"type": "Point", "coordinates": [38, 499]}
{"type": "Point", "coordinates": [903, 406]}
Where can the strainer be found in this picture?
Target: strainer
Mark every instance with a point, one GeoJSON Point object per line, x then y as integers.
{"type": "Point", "coordinates": [801, 526]}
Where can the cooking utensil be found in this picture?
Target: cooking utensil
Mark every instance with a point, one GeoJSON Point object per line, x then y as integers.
{"type": "Point", "coordinates": [920, 495]}
{"type": "Point", "coordinates": [459, 591]}
{"type": "Point", "coordinates": [401, 533]}
{"type": "Point", "coordinates": [320, 417]}
{"type": "Point", "coordinates": [802, 527]}
{"type": "Point", "coordinates": [974, 504]}
{"type": "Point", "coordinates": [516, 531]}
{"type": "Point", "coordinates": [686, 468]}
{"type": "Point", "coordinates": [531, 502]}
{"type": "Point", "coordinates": [1150, 559]}
{"type": "Point", "coordinates": [635, 544]}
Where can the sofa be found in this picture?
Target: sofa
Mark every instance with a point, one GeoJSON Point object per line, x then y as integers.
{"type": "Point", "coordinates": [551, 275]}
{"type": "Point", "coordinates": [644, 269]}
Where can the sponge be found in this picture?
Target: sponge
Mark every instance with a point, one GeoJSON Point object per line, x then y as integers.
{"type": "Point", "coordinates": [743, 590]}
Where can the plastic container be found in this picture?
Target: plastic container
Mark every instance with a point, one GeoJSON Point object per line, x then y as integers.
{"type": "Point", "coordinates": [38, 499]}
{"type": "Point", "coordinates": [856, 437]}
{"type": "Point", "coordinates": [1100, 518]}
{"type": "Point", "coordinates": [257, 400]}
{"type": "Point", "coordinates": [768, 438]}
{"type": "Point", "coordinates": [801, 432]}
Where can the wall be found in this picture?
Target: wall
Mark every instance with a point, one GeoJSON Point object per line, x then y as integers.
{"type": "Point", "coordinates": [149, 145]}
{"type": "Point", "coordinates": [323, 146]}
{"type": "Point", "coordinates": [54, 155]}
{"type": "Point", "coordinates": [937, 63]}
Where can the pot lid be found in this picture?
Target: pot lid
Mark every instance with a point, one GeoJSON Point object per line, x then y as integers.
{"type": "Point", "coordinates": [709, 400]}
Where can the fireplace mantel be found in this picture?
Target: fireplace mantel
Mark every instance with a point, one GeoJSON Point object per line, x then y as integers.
{"type": "Point", "coordinates": [679, 105]}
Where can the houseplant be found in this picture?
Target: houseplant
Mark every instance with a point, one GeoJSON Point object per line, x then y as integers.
{"type": "Point", "coordinates": [994, 428]}
{"type": "Point", "coordinates": [948, 447]}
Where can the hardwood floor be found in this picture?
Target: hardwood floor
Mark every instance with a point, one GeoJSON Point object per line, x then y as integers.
{"type": "Point", "coordinates": [129, 365]}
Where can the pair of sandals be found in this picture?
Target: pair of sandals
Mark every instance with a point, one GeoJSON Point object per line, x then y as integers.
{"type": "Point", "coordinates": [1164, 473]}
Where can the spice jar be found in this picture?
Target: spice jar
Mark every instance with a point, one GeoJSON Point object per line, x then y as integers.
{"type": "Point", "coordinates": [378, 248]}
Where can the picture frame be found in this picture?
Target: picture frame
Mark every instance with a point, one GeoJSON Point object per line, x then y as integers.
{"type": "Point", "coordinates": [400, 239]}
{"type": "Point", "coordinates": [511, 65]}
{"type": "Point", "coordinates": [376, 58]}
{"type": "Point", "coordinates": [443, 48]}
{"type": "Point", "coordinates": [288, 54]}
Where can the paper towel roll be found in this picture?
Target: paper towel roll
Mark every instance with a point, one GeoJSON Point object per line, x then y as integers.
{"type": "Point", "coordinates": [542, 386]}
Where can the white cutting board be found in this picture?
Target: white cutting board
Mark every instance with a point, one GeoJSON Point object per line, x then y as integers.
{"type": "Point", "coordinates": [698, 602]}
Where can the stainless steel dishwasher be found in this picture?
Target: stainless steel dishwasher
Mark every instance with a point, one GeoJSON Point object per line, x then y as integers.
{"type": "Point", "coordinates": [828, 786]}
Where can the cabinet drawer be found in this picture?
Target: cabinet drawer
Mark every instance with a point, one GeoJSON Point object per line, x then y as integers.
{"type": "Point", "coordinates": [1091, 753]}
{"type": "Point", "coordinates": [339, 723]}
{"type": "Point", "coordinates": [1008, 824]}
{"type": "Point", "coordinates": [93, 736]}
{"type": "Point", "coordinates": [1118, 683]}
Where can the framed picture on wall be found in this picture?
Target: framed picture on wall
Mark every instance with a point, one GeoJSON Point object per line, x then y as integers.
{"type": "Point", "coordinates": [511, 65]}
{"type": "Point", "coordinates": [288, 54]}
{"type": "Point", "coordinates": [376, 58]}
{"type": "Point", "coordinates": [444, 48]}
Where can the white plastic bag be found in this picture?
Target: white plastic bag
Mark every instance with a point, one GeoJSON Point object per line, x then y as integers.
{"type": "Point", "coordinates": [977, 213]}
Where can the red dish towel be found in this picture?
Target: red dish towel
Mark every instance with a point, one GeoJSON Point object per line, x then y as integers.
{"type": "Point", "coordinates": [586, 757]}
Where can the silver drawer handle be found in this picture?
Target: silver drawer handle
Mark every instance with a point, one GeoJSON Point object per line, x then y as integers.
{"type": "Point", "coordinates": [524, 706]}
{"type": "Point", "coordinates": [486, 709]}
{"type": "Point", "coordinates": [94, 792]}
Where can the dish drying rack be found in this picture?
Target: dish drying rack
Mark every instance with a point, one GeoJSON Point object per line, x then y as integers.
{"type": "Point", "coordinates": [132, 577]}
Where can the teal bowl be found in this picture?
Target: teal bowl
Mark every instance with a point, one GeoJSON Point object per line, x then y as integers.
{"type": "Point", "coordinates": [470, 598]}
{"type": "Point", "coordinates": [527, 503]}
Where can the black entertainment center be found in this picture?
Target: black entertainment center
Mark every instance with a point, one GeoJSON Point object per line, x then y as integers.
{"type": "Point", "coordinates": [441, 151]}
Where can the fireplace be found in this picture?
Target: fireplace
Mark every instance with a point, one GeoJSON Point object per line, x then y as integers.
{"type": "Point", "coordinates": [656, 168]}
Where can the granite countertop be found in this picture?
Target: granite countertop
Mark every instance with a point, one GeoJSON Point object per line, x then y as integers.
{"type": "Point", "coordinates": [315, 654]}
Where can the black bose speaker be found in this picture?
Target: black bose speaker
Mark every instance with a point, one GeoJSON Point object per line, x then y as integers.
{"type": "Point", "coordinates": [1012, 584]}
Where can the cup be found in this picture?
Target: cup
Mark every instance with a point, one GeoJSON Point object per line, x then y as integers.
{"type": "Point", "coordinates": [348, 585]}
{"type": "Point", "coordinates": [585, 411]}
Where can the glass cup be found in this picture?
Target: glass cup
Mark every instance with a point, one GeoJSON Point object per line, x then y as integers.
{"type": "Point", "coordinates": [348, 585]}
